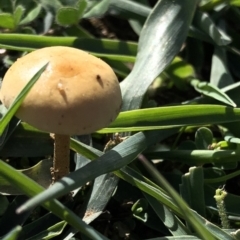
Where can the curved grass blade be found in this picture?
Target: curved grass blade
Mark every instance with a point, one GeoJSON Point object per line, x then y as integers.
{"type": "Point", "coordinates": [160, 40]}
{"type": "Point", "coordinates": [39, 173]}
{"type": "Point", "coordinates": [31, 188]}
{"type": "Point", "coordinates": [209, 90]}
{"type": "Point", "coordinates": [32, 15]}
{"type": "Point", "coordinates": [19, 99]}
{"type": "Point", "coordinates": [222, 179]}
{"type": "Point", "coordinates": [205, 23]}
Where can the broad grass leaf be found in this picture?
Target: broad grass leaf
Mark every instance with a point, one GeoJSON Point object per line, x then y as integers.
{"type": "Point", "coordinates": [161, 39]}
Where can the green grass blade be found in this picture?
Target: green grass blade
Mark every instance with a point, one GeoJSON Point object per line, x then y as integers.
{"type": "Point", "coordinates": [13, 234]}
{"type": "Point", "coordinates": [31, 188]}
{"type": "Point", "coordinates": [175, 116]}
{"type": "Point", "coordinates": [169, 219]}
{"type": "Point", "coordinates": [19, 99]}
{"type": "Point", "coordinates": [196, 157]}
{"type": "Point", "coordinates": [112, 49]}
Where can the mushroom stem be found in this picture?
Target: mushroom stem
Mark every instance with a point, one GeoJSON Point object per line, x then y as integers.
{"type": "Point", "coordinates": [61, 156]}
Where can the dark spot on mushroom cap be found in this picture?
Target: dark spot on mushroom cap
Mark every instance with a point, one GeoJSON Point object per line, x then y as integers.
{"type": "Point", "coordinates": [99, 79]}
{"type": "Point", "coordinates": [62, 116]}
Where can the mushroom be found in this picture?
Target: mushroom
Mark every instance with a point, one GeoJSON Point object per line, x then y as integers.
{"type": "Point", "coordinates": [77, 94]}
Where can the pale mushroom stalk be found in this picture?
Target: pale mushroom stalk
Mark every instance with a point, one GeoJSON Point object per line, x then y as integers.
{"type": "Point", "coordinates": [61, 156]}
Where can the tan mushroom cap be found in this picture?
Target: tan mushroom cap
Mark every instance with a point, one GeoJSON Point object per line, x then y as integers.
{"type": "Point", "coordinates": [77, 93]}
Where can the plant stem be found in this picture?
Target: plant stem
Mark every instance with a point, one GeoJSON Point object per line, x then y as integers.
{"type": "Point", "coordinates": [219, 197]}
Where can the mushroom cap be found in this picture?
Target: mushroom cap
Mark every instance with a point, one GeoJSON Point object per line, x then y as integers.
{"type": "Point", "coordinates": [76, 94]}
